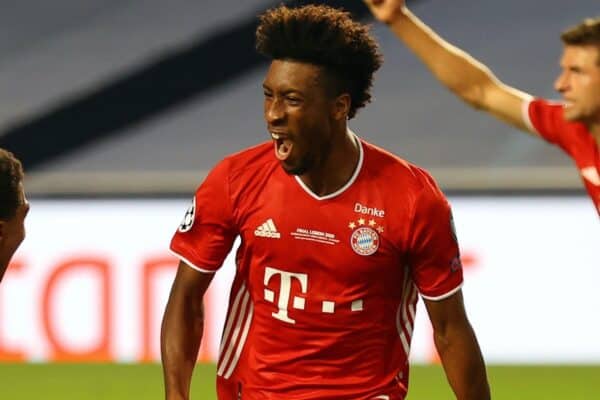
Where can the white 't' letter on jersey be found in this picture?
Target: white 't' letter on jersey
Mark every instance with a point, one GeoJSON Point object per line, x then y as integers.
{"type": "Point", "coordinates": [285, 288]}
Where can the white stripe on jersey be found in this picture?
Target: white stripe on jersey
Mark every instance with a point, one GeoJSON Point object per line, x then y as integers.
{"type": "Point", "coordinates": [235, 334]}
{"type": "Point", "coordinates": [240, 346]}
{"type": "Point", "coordinates": [409, 309]}
{"type": "Point", "coordinates": [231, 317]}
{"type": "Point", "coordinates": [404, 324]}
{"type": "Point", "coordinates": [228, 343]}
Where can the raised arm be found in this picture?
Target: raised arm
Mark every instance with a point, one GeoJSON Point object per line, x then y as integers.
{"type": "Point", "coordinates": [465, 76]}
{"type": "Point", "coordinates": [182, 329]}
{"type": "Point", "coordinates": [458, 348]}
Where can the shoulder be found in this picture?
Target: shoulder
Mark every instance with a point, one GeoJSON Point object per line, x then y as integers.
{"type": "Point", "coordinates": [257, 155]}
{"type": "Point", "coordinates": [544, 115]}
{"type": "Point", "coordinates": [537, 103]}
{"type": "Point", "coordinates": [538, 108]}
{"type": "Point", "coordinates": [409, 190]}
{"type": "Point", "coordinates": [546, 118]}
{"type": "Point", "coordinates": [401, 175]}
{"type": "Point", "coordinates": [246, 163]}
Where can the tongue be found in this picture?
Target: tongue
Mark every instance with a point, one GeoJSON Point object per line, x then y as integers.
{"type": "Point", "coordinates": [283, 149]}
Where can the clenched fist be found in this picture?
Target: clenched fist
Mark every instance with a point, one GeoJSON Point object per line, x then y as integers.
{"type": "Point", "coordinates": [385, 11]}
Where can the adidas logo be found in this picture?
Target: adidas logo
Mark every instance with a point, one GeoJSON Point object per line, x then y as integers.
{"type": "Point", "coordinates": [267, 230]}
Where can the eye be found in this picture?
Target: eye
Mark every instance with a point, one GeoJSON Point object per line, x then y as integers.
{"type": "Point", "coordinates": [267, 95]}
{"type": "Point", "coordinates": [575, 70]}
{"type": "Point", "coordinates": [293, 100]}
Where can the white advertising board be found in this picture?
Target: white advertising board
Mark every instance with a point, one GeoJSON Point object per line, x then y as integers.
{"type": "Point", "coordinates": [91, 280]}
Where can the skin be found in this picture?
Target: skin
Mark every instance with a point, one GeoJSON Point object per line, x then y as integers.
{"type": "Point", "coordinates": [457, 346]}
{"type": "Point", "coordinates": [299, 109]}
{"type": "Point", "coordinates": [473, 82]}
{"type": "Point", "coordinates": [12, 233]}
{"type": "Point", "coordinates": [579, 84]}
{"type": "Point", "coordinates": [182, 329]}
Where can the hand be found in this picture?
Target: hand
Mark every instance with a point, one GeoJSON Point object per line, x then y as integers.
{"type": "Point", "coordinates": [386, 11]}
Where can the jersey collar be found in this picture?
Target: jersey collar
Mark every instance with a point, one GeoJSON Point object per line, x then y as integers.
{"type": "Point", "coordinates": [350, 181]}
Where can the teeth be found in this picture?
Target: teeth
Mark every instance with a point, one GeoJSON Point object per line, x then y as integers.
{"type": "Point", "coordinates": [275, 136]}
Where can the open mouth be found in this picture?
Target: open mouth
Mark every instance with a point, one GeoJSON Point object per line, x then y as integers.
{"type": "Point", "coordinates": [283, 146]}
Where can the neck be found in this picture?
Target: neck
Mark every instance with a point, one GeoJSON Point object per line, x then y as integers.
{"type": "Point", "coordinates": [3, 265]}
{"type": "Point", "coordinates": [337, 169]}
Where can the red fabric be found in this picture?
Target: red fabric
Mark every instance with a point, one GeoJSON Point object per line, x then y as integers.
{"type": "Point", "coordinates": [573, 137]}
{"type": "Point", "coordinates": [322, 305]}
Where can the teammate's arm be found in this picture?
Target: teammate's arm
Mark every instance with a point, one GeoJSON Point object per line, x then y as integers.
{"type": "Point", "coordinates": [458, 348]}
{"type": "Point", "coordinates": [465, 76]}
{"type": "Point", "coordinates": [182, 329]}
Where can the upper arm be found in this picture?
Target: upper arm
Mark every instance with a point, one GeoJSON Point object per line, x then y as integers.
{"type": "Point", "coordinates": [505, 103]}
{"type": "Point", "coordinates": [432, 251]}
{"type": "Point", "coordinates": [189, 286]}
{"type": "Point", "coordinates": [447, 314]}
{"type": "Point", "coordinates": [207, 232]}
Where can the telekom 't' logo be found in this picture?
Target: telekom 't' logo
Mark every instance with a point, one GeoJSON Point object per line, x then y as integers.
{"type": "Point", "coordinates": [285, 288]}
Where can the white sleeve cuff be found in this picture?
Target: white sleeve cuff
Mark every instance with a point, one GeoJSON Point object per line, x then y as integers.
{"type": "Point", "coordinates": [443, 296]}
{"type": "Point", "coordinates": [191, 265]}
{"type": "Point", "coordinates": [525, 114]}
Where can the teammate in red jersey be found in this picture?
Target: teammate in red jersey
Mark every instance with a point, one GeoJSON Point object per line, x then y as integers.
{"type": "Point", "coordinates": [13, 208]}
{"type": "Point", "coordinates": [338, 239]}
{"type": "Point", "coordinates": [574, 125]}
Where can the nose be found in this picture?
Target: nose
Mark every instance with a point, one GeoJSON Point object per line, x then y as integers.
{"type": "Point", "coordinates": [274, 111]}
{"type": "Point", "coordinates": [561, 82]}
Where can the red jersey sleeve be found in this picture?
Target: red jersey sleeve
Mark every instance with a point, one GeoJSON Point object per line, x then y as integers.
{"type": "Point", "coordinates": [207, 231]}
{"type": "Point", "coordinates": [546, 118]}
{"type": "Point", "coordinates": [434, 255]}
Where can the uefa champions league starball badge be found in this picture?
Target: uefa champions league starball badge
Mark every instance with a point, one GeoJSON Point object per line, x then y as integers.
{"type": "Point", "coordinates": [365, 236]}
{"type": "Point", "coordinates": [188, 218]}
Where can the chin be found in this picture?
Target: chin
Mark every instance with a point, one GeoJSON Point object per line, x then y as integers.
{"type": "Point", "coordinates": [572, 115]}
{"type": "Point", "coordinates": [296, 168]}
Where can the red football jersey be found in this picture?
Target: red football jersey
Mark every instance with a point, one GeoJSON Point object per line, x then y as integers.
{"type": "Point", "coordinates": [323, 302]}
{"type": "Point", "coordinates": [573, 137]}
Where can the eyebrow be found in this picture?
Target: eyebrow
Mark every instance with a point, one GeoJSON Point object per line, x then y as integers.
{"type": "Point", "coordinates": [285, 91]}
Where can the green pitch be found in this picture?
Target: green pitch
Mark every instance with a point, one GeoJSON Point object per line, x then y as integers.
{"type": "Point", "coordinates": [126, 382]}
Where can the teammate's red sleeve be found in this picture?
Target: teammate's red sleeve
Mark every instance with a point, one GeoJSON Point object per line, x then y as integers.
{"type": "Point", "coordinates": [546, 118]}
{"type": "Point", "coordinates": [207, 231]}
{"type": "Point", "coordinates": [433, 254]}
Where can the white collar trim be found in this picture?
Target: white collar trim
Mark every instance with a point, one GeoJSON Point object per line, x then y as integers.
{"type": "Point", "coordinates": [350, 181]}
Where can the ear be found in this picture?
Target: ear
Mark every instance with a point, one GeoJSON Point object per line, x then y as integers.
{"type": "Point", "coordinates": [341, 107]}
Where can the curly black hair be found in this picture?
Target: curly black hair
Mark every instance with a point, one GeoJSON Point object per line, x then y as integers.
{"type": "Point", "coordinates": [327, 37]}
{"type": "Point", "coordinates": [11, 175]}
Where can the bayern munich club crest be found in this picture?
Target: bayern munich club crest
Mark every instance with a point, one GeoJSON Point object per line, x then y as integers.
{"type": "Point", "coordinates": [364, 241]}
{"type": "Point", "coordinates": [365, 236]}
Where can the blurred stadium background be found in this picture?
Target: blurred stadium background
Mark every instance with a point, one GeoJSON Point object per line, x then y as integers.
{"type": "Point", "coordinates": [118, 109]}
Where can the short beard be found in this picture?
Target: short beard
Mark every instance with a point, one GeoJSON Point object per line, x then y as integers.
{"type": "Point", "coordinates": [310, 162]}
{"type": "Point", "coordinates": [305, 165]}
